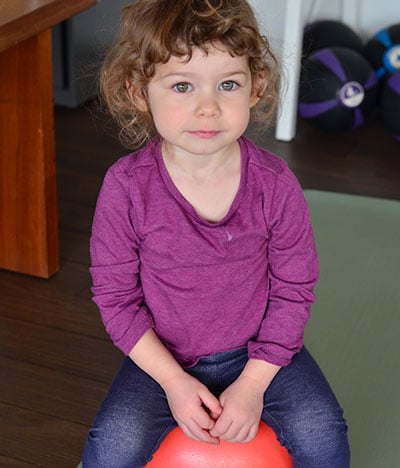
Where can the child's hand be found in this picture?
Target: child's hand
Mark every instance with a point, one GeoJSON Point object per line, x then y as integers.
{"type": "Point", "coordinates": [242, 404]}
{"type": "Point", "coordinates": [193, 406]}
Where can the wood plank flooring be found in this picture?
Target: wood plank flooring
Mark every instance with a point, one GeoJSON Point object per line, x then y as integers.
{"type": "Point", "coordinates": [56, 361]}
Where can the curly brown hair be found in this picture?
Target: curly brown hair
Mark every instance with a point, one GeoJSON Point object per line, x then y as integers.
{"type": "Point", "coordinates": [154, 30]}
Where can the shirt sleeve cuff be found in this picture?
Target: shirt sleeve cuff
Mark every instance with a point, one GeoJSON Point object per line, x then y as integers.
{"type": "Point", "coordinates": [138, 328]}
{"type": "Point", "coordinates": [273, 354]}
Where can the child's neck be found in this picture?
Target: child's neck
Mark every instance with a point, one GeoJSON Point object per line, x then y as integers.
{"type": "Point", "coordinates": [201, 167]}
{"type": "Point", "coordinates": [209, 184]}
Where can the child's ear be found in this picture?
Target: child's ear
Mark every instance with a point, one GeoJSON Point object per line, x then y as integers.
{"type": "Point", "coordinates": [260, 83]}
{"type": "Point", "coordinates": [138, 97]}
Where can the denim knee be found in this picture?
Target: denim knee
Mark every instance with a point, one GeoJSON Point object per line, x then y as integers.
{"type": "Point", "coordinates": [317, 437]}
{"type": "Point", "coordinates": [114, 448]}
{"type": "Point", "coordinates": [306, 416]}
{"type": "Point", "coordinates": [131, 422]}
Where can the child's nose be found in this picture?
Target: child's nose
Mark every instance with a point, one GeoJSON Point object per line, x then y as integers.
{"type": "Point", "coordinates": [208, 106]}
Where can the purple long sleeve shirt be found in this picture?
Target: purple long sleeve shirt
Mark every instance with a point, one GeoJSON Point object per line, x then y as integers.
{"type": "Point", "coordinates": [245, 281]}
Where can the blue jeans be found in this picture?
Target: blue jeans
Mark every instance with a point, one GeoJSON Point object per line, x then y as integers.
{"type": "Point", "coordinates": [299, 405]}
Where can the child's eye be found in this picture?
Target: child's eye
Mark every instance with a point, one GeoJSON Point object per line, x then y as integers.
{"type": "Point", "coordinates": [182, 87]}
{"type": "Point", "coordinates": [229, 86]}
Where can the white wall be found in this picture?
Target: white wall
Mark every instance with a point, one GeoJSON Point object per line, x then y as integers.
{"type": "Point", "coordinates": [365, 16]}
{"type": "Point", "coordinates": [375, 15]}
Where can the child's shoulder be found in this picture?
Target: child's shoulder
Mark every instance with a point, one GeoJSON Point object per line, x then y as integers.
{"type": "Point", "coordinates": [137, 161]}
{"type": "Point", "coordinates": [268, 169]}
{"type": "Point", "coordinates": [263, 159]}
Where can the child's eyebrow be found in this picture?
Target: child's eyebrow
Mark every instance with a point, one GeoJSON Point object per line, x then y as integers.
{"type": "Point", "coordinates": [193, 75]}
{"type": "Point", "coordinates": [235, 72]}
{"type": "Point", "coordinates": [177, 74]}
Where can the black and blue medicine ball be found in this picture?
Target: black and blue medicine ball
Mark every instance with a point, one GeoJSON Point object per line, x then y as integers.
{"type": "Point", "coordinates": [329, 33]}
{"type": "Point", "coordinates": [383, 51]}
{"type": "Point", "coordinates": [338, 89]}
{"type": "Point", "coordinates": [390, 104]}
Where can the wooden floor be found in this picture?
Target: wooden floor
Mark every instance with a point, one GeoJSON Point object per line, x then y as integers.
{"type": "Point", "coordinates": [56, 361]}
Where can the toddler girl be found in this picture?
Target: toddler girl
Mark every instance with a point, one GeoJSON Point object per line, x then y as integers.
{"type": "Point", "coordinates": [203, 258]}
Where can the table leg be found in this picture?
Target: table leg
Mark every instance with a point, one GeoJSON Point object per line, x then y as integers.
{"type": "Point", "coordinates": [28, 198]}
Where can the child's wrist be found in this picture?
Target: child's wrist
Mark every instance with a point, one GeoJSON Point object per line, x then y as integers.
{"type": "Point", "coordinates": [170, 380]}
{"type": "Point", "coordinates": [259, 374]}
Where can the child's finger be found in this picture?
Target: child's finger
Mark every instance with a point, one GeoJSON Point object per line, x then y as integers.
{"type": "Point", "coordinates": [195, 432]}
{"type": "Point", "coordinates": [203, 418]}
{"type": "Point", "coordinates": [222, 426]}
{"type": "Point", "coordinates": [214, 416]}
{"type": "Point", "coordinates": [211, 403]}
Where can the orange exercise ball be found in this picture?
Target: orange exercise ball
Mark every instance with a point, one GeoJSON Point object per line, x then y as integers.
{"type": "Point", "coordinates": [264, 451]}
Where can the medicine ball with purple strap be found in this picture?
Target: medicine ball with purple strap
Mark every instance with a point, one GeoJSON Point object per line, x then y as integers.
{"type": "Point", "coordinates": [338, 89]}
{"type": "Point", "coordinates": [329, 33]}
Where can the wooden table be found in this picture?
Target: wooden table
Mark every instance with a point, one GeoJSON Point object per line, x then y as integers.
{"type": "Point", "coordinates": [28, 198]}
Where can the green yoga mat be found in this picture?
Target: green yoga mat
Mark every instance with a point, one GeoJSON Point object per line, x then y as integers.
{"type": "Point", "coordinates": [354, 330]}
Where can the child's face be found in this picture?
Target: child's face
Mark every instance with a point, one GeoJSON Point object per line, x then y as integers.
{"type": "Point", "coordinates": [202, 106]}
